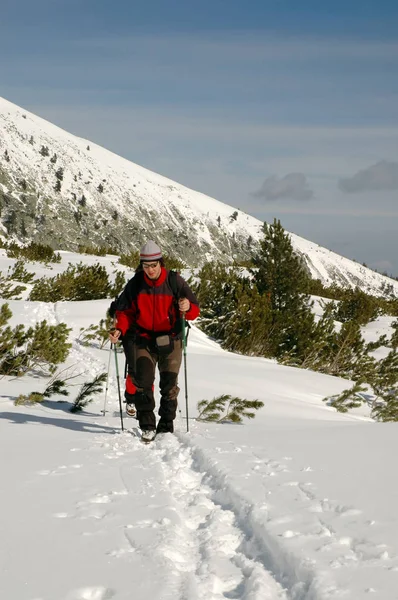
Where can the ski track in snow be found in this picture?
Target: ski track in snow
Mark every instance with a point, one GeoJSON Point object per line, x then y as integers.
{"type": "Point", "coordinates": [210, 543]}
{"type": "Point", "coordinates": [281, 542]}
{"type": "Point", "coordinates": [201, 533]}
{"type": "Point", "coordinates": [197, 541]}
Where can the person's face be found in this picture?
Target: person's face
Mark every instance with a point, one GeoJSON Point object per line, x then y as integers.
{"type": "Point", "coordinates": [152, 269]}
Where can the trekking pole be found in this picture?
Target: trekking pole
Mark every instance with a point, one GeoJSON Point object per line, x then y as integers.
{"type": "Point", "coordinates": [118, 386]}
{"type": "Point", "coordinates": [184, 344]}
{"type": "Point", "coordinates": [107, 379]}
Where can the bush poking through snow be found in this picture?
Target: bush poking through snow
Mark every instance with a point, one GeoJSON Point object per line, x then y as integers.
{"type": "Point", "coordinates": [41, 346]}
{"type": "Point", "coordinates": [78, 282]}
{"type": "Point", "coordinates": [234, 409]}
{"type": "Point", "coordinates": [87, 391]}
{"type": "Point", "coordinates": [118, 284]}
{"type": "Point", "coordinates": [32, 398]}
{"type": "Point", "coordinates": [131, 260]}
{"type": "Point", "coordinates": [349, 398]}
{"type": "Point", "coordinates": [19, 273]}
{"type": "Point", "coordinates": [55, 386]}
{"type": "Point", "coordinates": [96, 333]}
{"type": "Point", "coordinates": [33, 252]}
{"type": "Point", "coordinates": [9, 290]}
{"type": "Point", "coordinates": [97, 250]}
{"type": "Point", "coordinates": [173, 263]}
{"type": "Point", "coordinates": [379, 377]}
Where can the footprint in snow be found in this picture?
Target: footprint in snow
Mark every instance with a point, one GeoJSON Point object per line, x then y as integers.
{"type": "Point", "coordinates": [121, 552]}
{"type": "Point", "coordinates": [290, 534]}
{"type": "Point", "coordinates": [100, 499]}
{"type": "Point", "coordinates": [61, 470]}
{"type": "Point", "coordinates": [91, 593]}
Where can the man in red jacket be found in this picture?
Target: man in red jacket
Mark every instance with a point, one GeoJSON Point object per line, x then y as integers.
{"type": "Point", "coordinates": [148, 320]}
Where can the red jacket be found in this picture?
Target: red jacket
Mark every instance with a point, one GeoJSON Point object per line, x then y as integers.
{"type": "Point", "coordinates": [151, 305]}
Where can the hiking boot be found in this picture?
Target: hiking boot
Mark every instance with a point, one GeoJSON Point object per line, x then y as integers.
{"type": "Point", "coordinates": [131, 410]}
{"type": "Point", "coordinates": [165, 427]}
{"type": "Point", "coordinates": [148, 435]}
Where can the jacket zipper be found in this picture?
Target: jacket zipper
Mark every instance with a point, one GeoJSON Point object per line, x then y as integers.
{"type": "Point", "coordinates": [153, 310]}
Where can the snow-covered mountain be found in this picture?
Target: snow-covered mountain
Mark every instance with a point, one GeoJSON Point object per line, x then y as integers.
{"type": "Point", "coordinates": [59, 189]}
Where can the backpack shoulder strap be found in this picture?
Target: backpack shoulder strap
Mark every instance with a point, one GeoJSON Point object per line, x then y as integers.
{"type": "Point", "coordinates": [172, 278]}
{"type": "Point", "coordinates": [124, 300]}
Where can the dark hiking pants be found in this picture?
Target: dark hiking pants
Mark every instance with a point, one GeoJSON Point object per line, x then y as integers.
{"type": "Point", "coordinates": [141, 364]}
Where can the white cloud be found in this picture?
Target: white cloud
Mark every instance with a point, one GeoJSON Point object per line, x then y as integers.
{"type": "Point", "coordinates": [293, 186]}
{"type": "Point", "coordinates": [383, 176]}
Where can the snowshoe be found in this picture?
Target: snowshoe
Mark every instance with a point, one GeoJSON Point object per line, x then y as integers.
{"type": "Point", "coordinates": [148, 436]}
{"type": "Point", "coordinates": [131, 410]}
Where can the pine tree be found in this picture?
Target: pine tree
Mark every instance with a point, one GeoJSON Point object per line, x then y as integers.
{"type": "Point", "coordinates": [248, 329]}
{"type": "Point", "coordinates": [44, 151]}
{"type": "Point", "coordinates": [347, 349]}
{"type": "Point", "coordinates": [394, 337]}
{"type": "Point", "coordinates": [278, 272]}
{"type": "Point", "coordinates": [356, 306]}
{"type": "Point", "coordinates": [280, 276]}
{"type": "Point", "coordinates": [217, 293]}
{"type": "Point", "coordinates": [384, 382]}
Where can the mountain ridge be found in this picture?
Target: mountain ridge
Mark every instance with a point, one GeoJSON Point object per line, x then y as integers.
{"type": "Point", "coordinates": [60, 189]}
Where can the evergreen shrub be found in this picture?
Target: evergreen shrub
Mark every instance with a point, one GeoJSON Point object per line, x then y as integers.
{"type": "Point", "coordinates": [33, 252]}
{"type": "Point", "coordinates": [87, 391]}
{"type": "Point", "coordinates": [131, 260]}
{"type": "Point", "coordinates": [77, 282]}
{"type": "Point", "coordinates": [226, 408]}
{"type": "Point", "coordinates": [41, 346]}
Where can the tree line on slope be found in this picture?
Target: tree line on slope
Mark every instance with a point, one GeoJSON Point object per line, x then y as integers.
{"type": "Point", "coordinates": [263, 310]}
{"type": "Point", "coordinates": [266, 310]}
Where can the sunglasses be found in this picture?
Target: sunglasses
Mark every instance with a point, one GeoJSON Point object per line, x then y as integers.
{"type": "Point", "coordinates": [150, 265]}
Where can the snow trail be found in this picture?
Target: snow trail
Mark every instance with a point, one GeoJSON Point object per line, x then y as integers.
{"type": "Point", "coordinates": [197, 541]}
{"type": "Point", "coordinates": [297, 576]}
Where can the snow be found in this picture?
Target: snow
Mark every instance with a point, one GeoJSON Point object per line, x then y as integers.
{"type": "Point", "coordinates": [129, 187]}
{"type": "Point", "coordinates": [297, 504]}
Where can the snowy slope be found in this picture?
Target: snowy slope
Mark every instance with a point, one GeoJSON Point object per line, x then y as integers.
{"type": "Point", "coordinates": [135, 204]}
{"type": "Point", "coordinates": [299, 504]}
{"type": "Point", "coordinates": [146, 204]}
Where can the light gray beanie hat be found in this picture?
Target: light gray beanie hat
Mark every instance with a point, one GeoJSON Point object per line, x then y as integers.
{"type": "Point", "coordinates": [150, 251]}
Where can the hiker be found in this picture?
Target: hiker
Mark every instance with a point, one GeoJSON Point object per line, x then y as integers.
{"type": "Point", "coordinates": [148, 322]}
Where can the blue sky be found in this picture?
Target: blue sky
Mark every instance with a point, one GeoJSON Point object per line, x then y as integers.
{"type": "Point", "coordinates": [280, 108]}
